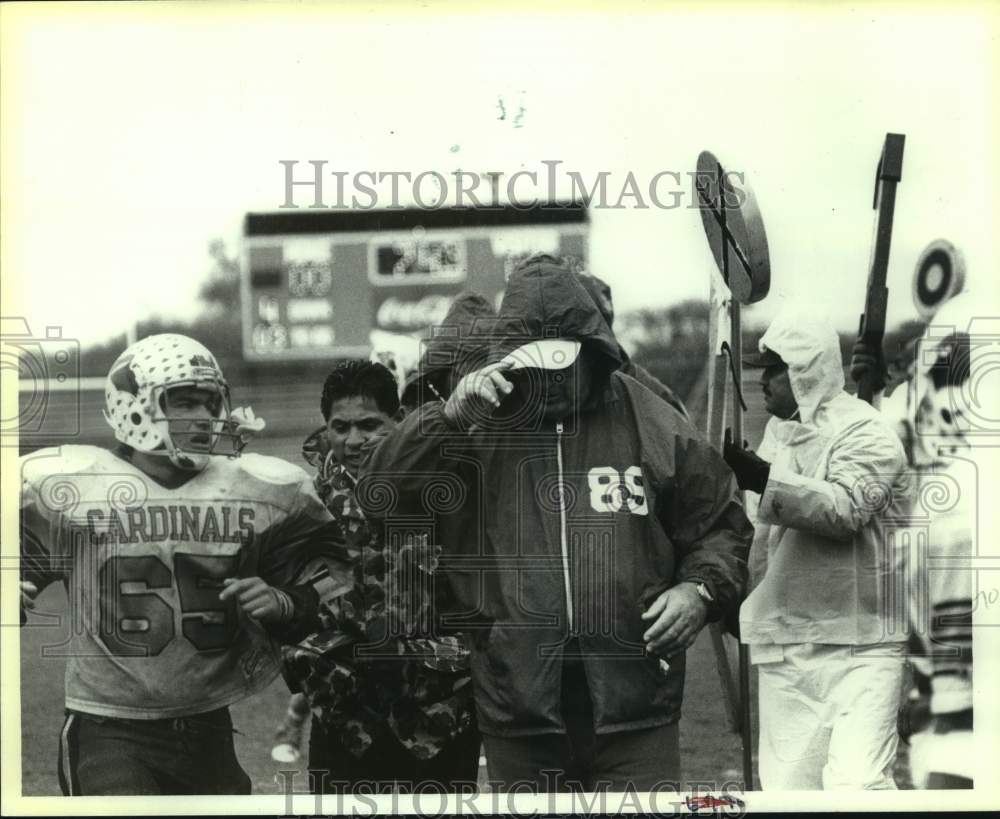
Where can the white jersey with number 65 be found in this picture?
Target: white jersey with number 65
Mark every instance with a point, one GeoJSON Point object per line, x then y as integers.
{"type": "Point", "coordinates": [147, 636]}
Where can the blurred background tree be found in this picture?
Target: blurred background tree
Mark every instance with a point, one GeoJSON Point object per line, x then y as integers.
{"type": "Point", "coordinates": [671, 342]}
{"type": "Point", "coordinates": [216, 324]}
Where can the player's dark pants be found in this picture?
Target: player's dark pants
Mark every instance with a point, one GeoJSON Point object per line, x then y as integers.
{"type": "Point", "coordinates": [189, 755]}
{"type": "Point", "coordinates": [335, 770]}
{"type": "Point", "coordinates": [644, 760]}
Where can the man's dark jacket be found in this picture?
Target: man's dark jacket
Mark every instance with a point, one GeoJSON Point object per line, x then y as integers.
{"type": "Point", "coordinates": [645, 503]}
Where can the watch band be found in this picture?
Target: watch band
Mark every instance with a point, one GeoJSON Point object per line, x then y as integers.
{"type": "Point", "coordinates": [704, 593]}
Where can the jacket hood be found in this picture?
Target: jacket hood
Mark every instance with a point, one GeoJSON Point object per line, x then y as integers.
{"type": "Point", "coordinates": [545, 299]}
{"type": "Point", "coordinates": [811, 349]}
{"type": "Point", "coordinates": [600, 291]}
{"type": "Point", "coordinates": [459, 341]}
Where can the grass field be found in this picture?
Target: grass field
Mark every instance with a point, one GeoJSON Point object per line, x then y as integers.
{"type": "Point", "coordinates": [709, 751]}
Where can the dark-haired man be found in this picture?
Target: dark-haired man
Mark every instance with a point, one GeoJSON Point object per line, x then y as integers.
{"type": "Point", "coordinates": [405, 713]}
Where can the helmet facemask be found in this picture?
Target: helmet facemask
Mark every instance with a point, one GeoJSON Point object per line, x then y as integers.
{"type": "Point", "coordinates": [189, 442]}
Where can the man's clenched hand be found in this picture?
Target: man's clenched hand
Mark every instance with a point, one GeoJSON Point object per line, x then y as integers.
{"type": "Point", "coordinates": [484, 387]}
{"type": "Point", "coordinates": [678, 615]}
{"type": "Point", "coordinates": [258, 600]}
{"type": "Point", "coordinates": [867, 359]}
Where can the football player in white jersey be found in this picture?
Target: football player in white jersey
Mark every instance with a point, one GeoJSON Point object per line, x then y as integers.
{"type": "Point", "coordinates": [179, 558]}
{"type": "Point", "coordinates": [956, 385]}
{"type": "Point", "coordinates": [939, 411]}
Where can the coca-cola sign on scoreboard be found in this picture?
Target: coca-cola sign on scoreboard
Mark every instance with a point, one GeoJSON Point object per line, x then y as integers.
{"type": "Point", "coordinates": [317, 283]}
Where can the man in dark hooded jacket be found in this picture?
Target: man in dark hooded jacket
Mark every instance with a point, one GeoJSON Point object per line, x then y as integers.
{"type": "Point", "coordinates": [457, 345]}
{"type": "Point", "coordinates": [589, 531]}
{"type": "Point", "coordinates": [600, 291]}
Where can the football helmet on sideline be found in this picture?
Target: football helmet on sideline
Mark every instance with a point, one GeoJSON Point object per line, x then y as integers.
{"type": "Point", "coordinates": [955, 384]}
{"type": "Point", "coordinates": [135, 397]}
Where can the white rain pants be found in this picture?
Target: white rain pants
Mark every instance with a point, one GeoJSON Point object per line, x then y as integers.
{"type": "Point", "coordinates": [828, 715]}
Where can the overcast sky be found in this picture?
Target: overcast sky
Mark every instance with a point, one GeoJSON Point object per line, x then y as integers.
{"type": "Point", "coordinates": [133, 135]}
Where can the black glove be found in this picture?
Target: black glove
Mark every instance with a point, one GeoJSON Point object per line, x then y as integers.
{"type": "Point", "coordinates": [865, 359]}
{"type": "Point", "coordinates": [750, 469]}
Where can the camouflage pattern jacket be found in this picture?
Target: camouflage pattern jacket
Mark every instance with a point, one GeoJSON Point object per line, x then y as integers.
{"type": "Point", "coordinates": [370, 670]}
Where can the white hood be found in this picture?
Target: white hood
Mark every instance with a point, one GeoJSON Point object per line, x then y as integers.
{"type": "Point", "coordinates": [811, 349]}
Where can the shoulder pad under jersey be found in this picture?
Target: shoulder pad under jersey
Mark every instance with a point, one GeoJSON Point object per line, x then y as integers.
{"type": "Point", "coordinates": [272, 470]}
{"type": "Point", "coordinates": [69, 459]}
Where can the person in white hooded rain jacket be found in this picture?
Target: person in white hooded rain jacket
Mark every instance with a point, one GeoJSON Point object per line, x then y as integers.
{"type": "Point", "coordinates": [824, 631]}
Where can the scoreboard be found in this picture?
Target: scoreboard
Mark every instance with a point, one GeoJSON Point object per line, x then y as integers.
{"type": "Point", "coordinates": [315, 284]}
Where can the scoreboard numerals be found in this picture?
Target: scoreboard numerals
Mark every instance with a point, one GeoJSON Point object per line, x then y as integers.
{"type": "Point", "coordinates": [309, 278]}
{"type": "Point", "coordinates": [270, 337]}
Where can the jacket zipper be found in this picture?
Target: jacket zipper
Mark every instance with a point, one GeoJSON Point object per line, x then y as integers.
{"type": "Point", "coordinates": [563, 540]}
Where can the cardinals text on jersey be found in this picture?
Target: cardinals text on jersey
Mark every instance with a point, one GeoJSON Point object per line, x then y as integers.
{"type": "Point", "coordinates": [143, 566]}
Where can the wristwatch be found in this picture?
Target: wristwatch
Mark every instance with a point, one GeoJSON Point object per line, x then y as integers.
{"type": "Point", "coordinates": [704, 593]}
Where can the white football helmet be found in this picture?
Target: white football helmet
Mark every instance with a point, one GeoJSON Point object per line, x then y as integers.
{"type": "Point", "coordinates": [135, 396]}
{"type": "Point", "coordinates": [398, 352]}
{"type": "Point", "coordinates": [955, 389]}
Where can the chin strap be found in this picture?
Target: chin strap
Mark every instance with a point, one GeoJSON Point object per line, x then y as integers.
{"type": "Point", "coordinates": [175, 457]}
{"type": "Point", "coordinates": [239, 428]}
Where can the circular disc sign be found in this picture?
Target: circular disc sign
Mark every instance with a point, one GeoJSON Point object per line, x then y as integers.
{"type": "Point", "coordinates": [734, 228]}
{"type": "Point", "coordinates": [939, 275]}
